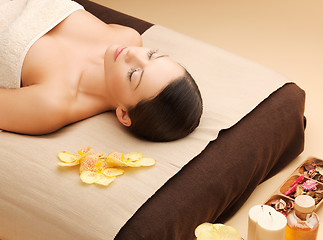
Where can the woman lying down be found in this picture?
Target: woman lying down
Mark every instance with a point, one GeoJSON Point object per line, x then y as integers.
{"type": "Point", "coordinates": [76, 66]}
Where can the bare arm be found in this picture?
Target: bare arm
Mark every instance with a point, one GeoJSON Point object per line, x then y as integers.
{"type": "Point", "coordinates": [31, 110]}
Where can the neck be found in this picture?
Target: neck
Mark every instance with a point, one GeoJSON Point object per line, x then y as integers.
{"type": "Point", "coordinates": [92, 83]}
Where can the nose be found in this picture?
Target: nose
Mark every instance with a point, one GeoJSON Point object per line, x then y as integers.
{"type": "Point", "coordinates": [136, 57]}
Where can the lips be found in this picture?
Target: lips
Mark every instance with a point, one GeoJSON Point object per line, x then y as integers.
{"type": "Point", "coordinates": [118, 52]}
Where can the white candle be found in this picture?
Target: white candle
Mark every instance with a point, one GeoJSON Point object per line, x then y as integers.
{"type": "Point", "coordinates": [271, 226]}
{"type": "Point", "coordinates": [254, 214]}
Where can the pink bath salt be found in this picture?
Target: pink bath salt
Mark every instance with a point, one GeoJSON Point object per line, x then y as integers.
{"type": "Point", "coordinates": [309, 185]}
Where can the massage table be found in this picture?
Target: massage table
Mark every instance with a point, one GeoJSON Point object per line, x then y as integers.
{"type": "Point", "coordinates": [39, 200]}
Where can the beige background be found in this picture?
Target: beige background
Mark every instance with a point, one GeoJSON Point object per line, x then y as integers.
{"type": "Point", "coordinates": [285, 35]}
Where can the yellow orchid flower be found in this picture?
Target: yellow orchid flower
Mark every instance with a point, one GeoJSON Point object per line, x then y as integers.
{"type": "Point", "coordinates": [70, 159]}
{"type": "Point", "coordinates": [96, 168]}
{"type": "Point", "coordinates": [134, 159]}
{"type": "Point", "coordinates": [217, 231]}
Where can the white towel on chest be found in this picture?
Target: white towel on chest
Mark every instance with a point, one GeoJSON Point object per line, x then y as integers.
{"type": "Point", "coordinates": [22, 23]}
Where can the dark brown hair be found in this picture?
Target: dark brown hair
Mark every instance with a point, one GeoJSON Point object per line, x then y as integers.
{"type": "Point", "coordinates": [172, 114]}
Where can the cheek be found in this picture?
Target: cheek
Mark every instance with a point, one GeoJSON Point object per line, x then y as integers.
{"type": "Point", "coordinates": [115, 78]}
{"type": "Point", "coordinates": [116, 87]}
{"type": "Point", "coordinates": [119, 87]}
{"type": "Point", "coordinates": [119, 84]}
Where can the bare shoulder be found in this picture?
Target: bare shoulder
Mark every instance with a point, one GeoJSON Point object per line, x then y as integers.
{"type": "Point", "coordinates": [89, 26]}
{"type": "Point", "coordinates": [128, 33]}
{"type": "Point", "coordinates": [31, 110]}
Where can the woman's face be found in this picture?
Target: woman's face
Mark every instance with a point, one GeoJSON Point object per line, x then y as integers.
{"type": "Point", "coordinates": [136, 73]}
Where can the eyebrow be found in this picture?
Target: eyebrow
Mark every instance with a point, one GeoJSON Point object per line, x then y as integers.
{"type": "Point", "coordinates": [142, 73]}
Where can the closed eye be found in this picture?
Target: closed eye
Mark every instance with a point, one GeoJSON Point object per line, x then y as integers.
{"type": "Point", "coordinates": [131, 72]}
{"type": "Point", "coordinates": [151, 53]}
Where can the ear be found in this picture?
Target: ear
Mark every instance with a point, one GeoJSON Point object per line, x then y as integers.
{"type": "Point", "coordinates": [123, 117]}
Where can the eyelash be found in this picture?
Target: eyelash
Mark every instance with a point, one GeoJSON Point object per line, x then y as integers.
{"type": "Point", "coordinates": [133, 70]}
{"type": "Point", "coordinates": [151, 53]}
